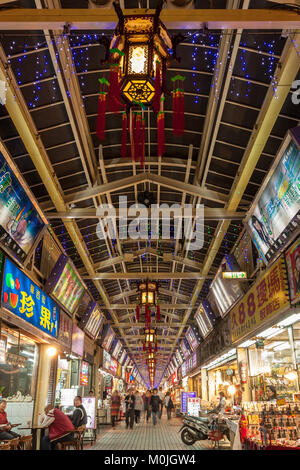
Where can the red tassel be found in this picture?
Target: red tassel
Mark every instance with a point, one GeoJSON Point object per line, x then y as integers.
{"type": "Point", "coordinates": [158, 313]}
{"type": "Point", "coordinates": [100, 122]}
{"type": "Point", "coordinates": [160, 134]}
{"type": "Point", "coordinates": [178, 112]}
{"type": "Point", "coordinates": [124, 135]}
{"type": "Point", "coordinates": [114, 92]}
{"type": "Point", "coordinates": [137, 138]}
{"type": "Point", "coordinates": [132, 136]}
{"type": "Point", "coordinates": [137, 311]}
{"type": "Point", "coordinates": [157, 89]}
{"type": "Point", "coordinates": [155, 347]}
{"type": "Point", "coordinates": [144, 347]}
{"type": "Point", "coordinates": [181, 113]}
{"type": "Point", "coordinates": [143, 145]}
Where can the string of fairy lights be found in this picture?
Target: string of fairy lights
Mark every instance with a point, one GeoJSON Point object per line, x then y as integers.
{"type": "Point", "coordinates": [205, 52]}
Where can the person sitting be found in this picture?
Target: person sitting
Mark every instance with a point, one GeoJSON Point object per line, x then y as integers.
{"type": "Point", "coordinates": [5, 427]}
{"type": "Point", "coordinates": [79, 416]}
{"type": "Point", "coordinates": [60, 428]}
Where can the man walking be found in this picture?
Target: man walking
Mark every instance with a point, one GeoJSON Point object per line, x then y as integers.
{"type": "Point", "coordinates": [130, 404]}
{"type": "Point", "coordinates": [155, 404]}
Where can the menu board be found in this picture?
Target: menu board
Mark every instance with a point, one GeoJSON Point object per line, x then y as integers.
{"type": "Point", "coordinates": [275, 212]}
{"type": "Point", "coordinates": [84, 374]}
{"type": "Point", "coordinates": [20, 222]}
{"type": "Point", "coordinates": [191, 337]}
{"type": "Point", "coordinates": [77, 341]}
{"type": "Point", "coordinates": [293, 270]}
{"type": "Point", "coordinates": [25, 299]}
{"type": "Point", "coordinates": [193, 406]}
{"type": "Point", "coordinates": [89, 404]}
{"type": "Point", "coordinates": [184, 399]}
{"type": "Point", "coordinates": [95, 322]}
{"type": "Point", "coordinates": [67, 396]}
{"type": "Point", "coordinates": [65, 330]}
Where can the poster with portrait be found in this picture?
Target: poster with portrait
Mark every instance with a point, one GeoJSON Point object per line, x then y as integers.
{"type": "Point", "coordinates": [20, 222]}
{"type": "Point", "coordinates": [292, 258]}
{"type": "Point", "coordinates": [276, 210]}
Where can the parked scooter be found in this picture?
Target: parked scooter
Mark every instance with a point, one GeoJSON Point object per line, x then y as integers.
{"type": "Point", "coordinates": [198, 428]}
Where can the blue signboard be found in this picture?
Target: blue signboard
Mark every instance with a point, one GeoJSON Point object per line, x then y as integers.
{"type": "Point", "coordinates": [24, 298]}
{"type": "Point", "coordinates": [184, 398]}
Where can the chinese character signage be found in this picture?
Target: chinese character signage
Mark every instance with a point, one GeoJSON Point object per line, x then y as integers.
{"type": "Point", "coordinates": [65, 330]}
{"type": "Point", "coordinates": [184, 399]}
{"type": "Point", "coordinates": [25, 299]}
{"type": "Point", "coordinates": [293, 269]}
{"type": "Point", "coordinates": [65, 285]}
{"type": "Point", "coordinates": [2, 351]}
{"type": "Point", "coordinates": [84, 374]}
{"type": "Point", "coordinates": [267, 297]}
{"type": "Point", "coordinates": [20, 222]}
{"type": "Point", "coordinates": [77, 341]}
{"type": "Point", "coordinates": [274, 215]}
{"type": "Point", "coordinates": [185, 348]}
{"type": "Point", "coordinates": [107, 338]}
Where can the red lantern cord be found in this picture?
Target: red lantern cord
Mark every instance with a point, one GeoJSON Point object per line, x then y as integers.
{"type": "Point", "coordinates": [157, 88]}
{"type": "Point", "coordinates": [132, 135]}
{"type": "Point", "coordinates": [142, 160]}
{"type": "Point", "coordinates": [160, 134]}
{"type": "Point", "coordinates": [124, 135]}
{"type": "Point", "coordinates": [137, 137]}
{"type": "Point", "coordinates": [100, 122]}
{"type": "Point", "coordinates": [158, 313]}
{"type": "Point", "coordinates": [178, 105]}
{"type": "Point", "coordinates": [137, 311]}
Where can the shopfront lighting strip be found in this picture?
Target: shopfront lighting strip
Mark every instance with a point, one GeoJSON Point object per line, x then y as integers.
{"type": "Point", "coordinates": [289, 320]}
{"type": "Point", "coordinates": [246, 344]}
{"type": "Point", "coordinates": [224, 358]}
{"type": "Point", "coordinates": [269, 333]}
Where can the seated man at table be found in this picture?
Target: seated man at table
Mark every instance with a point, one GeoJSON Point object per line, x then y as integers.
{"type": "Point", "coordinates": [60, 428]}
{"type": "Point", "coordinates": [79, 417]}
{"type": "Point", "coordinates": [5, 427]}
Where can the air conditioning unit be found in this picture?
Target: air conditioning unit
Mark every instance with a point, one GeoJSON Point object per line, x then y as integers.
{"type": "Point", "coordinates": [176, 4]}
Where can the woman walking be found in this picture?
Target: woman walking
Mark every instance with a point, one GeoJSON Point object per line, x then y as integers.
{"type": "Point", "coordinates": [147, 406]}
{"type": "Point", "coordinates": [138, 407]}
{"type": "Point", "coordinates": [169, 404]}
{"type": "Point", "coordinates": [115, 407]}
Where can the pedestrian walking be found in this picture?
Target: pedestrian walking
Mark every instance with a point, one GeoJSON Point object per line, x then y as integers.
{"type": "Point", "coordinates": [130, 402]}
{"type": "Point", "coordinates": [115, 407]}
{"type": "Point", "coordinates": [138, 407]}
{"type": "Point", "coordinates": [169, 405]}
{"type": "Point", "coordinates": [147, 406]}
{"type": "Point", "coordinates": [155, 403]}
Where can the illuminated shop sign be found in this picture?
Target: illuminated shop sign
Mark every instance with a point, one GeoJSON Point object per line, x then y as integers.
{"type": "Point", "coordinates": [293, 269]}
{"type": "Point", "coordinates": [234, 275]}
{"type": "Point", "coordinates": [275, 213]}
{"type": "Point", "coordinates": [25, 299]}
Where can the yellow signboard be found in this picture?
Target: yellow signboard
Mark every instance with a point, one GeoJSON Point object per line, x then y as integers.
{"type": "Point", "coordinates": [266, 298]}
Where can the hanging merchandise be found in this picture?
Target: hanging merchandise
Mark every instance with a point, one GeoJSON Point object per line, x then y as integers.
{"type": "Point", "coordinates": [100, 122]}
{"type": "Point", "coordinates": [178, 104]}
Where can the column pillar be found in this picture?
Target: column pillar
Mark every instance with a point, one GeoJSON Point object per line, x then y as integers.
{"type": "Point", "coordinates": [242, 357]}
{"type": "Point", "coordinates": [42, 384]}
{"type": "Point", "coordinates": [204, 384]}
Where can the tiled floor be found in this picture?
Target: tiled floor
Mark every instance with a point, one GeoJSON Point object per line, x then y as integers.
{"type": "Point", "coordinates": [145, 436]}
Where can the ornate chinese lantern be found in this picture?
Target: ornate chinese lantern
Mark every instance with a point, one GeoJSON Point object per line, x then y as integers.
{"type": "Point", "coordinates": [138, 54]}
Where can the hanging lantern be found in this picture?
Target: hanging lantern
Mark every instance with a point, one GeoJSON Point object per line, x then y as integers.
{"type": "Point", "coordinates": [148, 291]}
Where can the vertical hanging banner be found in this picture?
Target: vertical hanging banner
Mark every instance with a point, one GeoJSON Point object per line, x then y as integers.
{"type": "Point", "coordinates": [266, 298]}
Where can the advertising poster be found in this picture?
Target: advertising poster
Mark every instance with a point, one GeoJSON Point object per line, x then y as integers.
{"type": "Point", "coordinates": [293, 269]}
{"type": "Point", "coordinates": [108, 338]}
{"type": "Point", "coordinates": [94, 323]}
{"type": "Point", "coordinates": [2, 351]}
{"type": "Point", "coordinates": [77, 341]}
{"type": "Point", "coordinates": [25, 299]}
{"type": "Point", "coordinates": [84, 374]}
{"type": "Point", "coordinates": [276, 212]}
{"type": "Point", "coordinates": [65, 330]}
{"type": "Point", "coordinates": [20, 222]}
{"type": "Point", "coordinates": [184, 349]}
{"type": "Point", "coordinates": [184, 400]}
{"type": "Point", "coordinates": [68, 289]}
{"type": "Point", "coordinates": [191, 337]}
{"type": "Point", "coordinates": [89, 404]}
{"type": "Point", "coordinates": [267, 297]}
